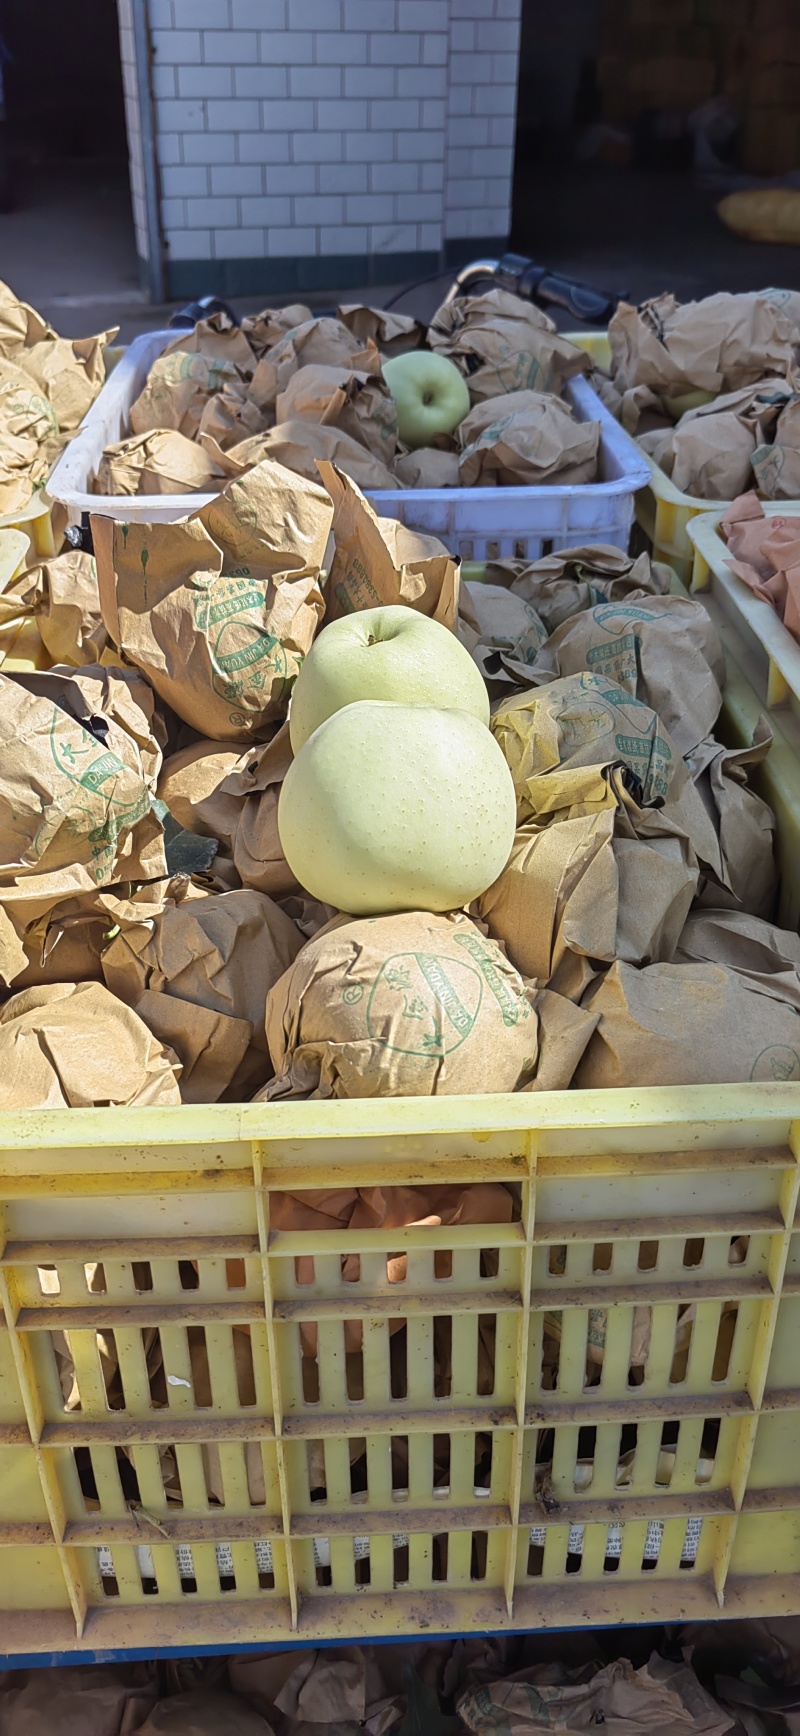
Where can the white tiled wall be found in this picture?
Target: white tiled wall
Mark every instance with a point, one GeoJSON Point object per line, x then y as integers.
{"type": "Point", "coordinates": [132, 119]}
{"type": "Point", "coordinates": [317, 127]}
{"type": "Point", "coordinates": [481, 115]}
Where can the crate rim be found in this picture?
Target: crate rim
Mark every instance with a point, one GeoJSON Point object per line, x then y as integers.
{"type": "Point", "coordinates": [525, 1112]}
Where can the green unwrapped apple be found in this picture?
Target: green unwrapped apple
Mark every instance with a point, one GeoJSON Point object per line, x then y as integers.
{"type": "Point", "coordinates": [397, 807]}
{"type": "Point", "coordinates": [430, 394]}
{"type": "Point", "coordinates": [390, 653]}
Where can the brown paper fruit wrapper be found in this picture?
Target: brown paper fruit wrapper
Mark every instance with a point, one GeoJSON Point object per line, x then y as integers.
{"type": "Point", "coordinates": [358, 403]}
{"type": "Point", "coordinates": [178, 388]}
{"type": "Point", "coordinates": [664, 651]}
{"type": "Point", "coordinates": [716, 345]}
{"type": "Point", "coordinates": [161, 462]}
{"type": "Point", "coordinates": [503, 344]}
{"type": "Point", "coordinates": [661, 1696]}
{"type": "Point", "coordinates": [575, 895]}
{"type": "Point", "coordinates": [392, 333]}
{"type": "Point", "coordinates": [570, 580]}
{"type": "Point", "coordinates": [324, 342]}
{"type": "Point", "coordinates": [428, 467]}
{"type": "Point", "coordinates": [560, 740]}
{"type": "Point", "coordinates": [765, 956]}
{"type": "Point", "coordinates": [63, 596]}
{"type": "Point", "coordinates": [93, 1699]}
{"type": "Point", "coordinates": [75, 1046]}
{"type": "Point", "coordinates": [379, 561]}
{"type": "Point", "coordinates": [220, 953]}
{"type": "Point", "coordinates": [254, 783]}
{"type": "Point", "coordinates": [79, 761]}
{"type": "Point", "coordinates": [204, 1712]}
{"type": "Point", "coordinates": [687, 1024]}
{"type": "Point", "coordinates": [524, 439]}
{"type": "Point", "coordinates": [219, 610]}
{"type": "Point", "coordinates": [190, 785]}
{"type": "Point", "coordinates": [298, 445]}
{"type": "Point", "coordinates": [70, 373]}
{"type": "Point", "coordinates": [412, 1005]}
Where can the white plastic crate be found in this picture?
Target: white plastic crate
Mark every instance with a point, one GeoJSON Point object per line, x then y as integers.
{"type": "Point", "coordinates": [476, 523]}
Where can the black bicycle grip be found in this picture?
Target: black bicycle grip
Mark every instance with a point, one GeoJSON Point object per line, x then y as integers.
{"type": "Point", "coordinates": [189, 315]}
{"type": "Point", "coordinates": [578, 299]}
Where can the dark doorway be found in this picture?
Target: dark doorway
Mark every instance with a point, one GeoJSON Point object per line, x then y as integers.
{"type": "Point", "coordinates": [66, 232]}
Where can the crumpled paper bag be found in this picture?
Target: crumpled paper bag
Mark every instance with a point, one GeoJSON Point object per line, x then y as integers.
{"type": "Point", "coordinates": [767, 957]}
{"type": "Point", "coordinates": [502, 633]}
{"type": "Point", "coordinates": [79, 761]}
{"type": "Point", "coordinates": [428, 467]}
{"type": "Point", "coordinates": [70, 372]}
{"type": "Point", "coordinates": [664, 651]}
{"type": "Point", "coordinates": [161, 462]}
{"type": "Point", "coordinates": [526, 438]}
{"type": "Point", "coordinates": [392, 333]}
{"type": "Point", "coordinates": [223, 952]}
{"type": "Point", "coordinates": [230, 416]}
{"type": "Point", "coordinates": [502, 344]}
{"type": "Point", "coordinates": [263, 329]}
{"type": "Point", "coordinates": [254, 784]}
{"type": "Point", "coordinates": [687, 1024]}
{"type": "Point", "coordinates": [92, 1699]}
{"type": "Point", "coordinates": [64, 944]}
{"type": "Point", "coordinates": [308, 1687]}
{"type": "Point", "coordinates": [24, 466]}
{"type": "Point", "coordinates": [190, 785]}
{"type": "Point", "coordinates": [575, 895]}
{"type": "Point", "coordinates": [29, 437]}
{"type": "Point", "coordinates": [564, 1031]}
{"type": "Point", "coordinates": [413, 1005]}
{"type": "Point", "coordinates": [559, 741]}
{"type": "Point", "coordinates": [358, 403]}
{"type": "Point", "coordinates": [663, 1698]}
{"type": "Point", "coordinates": [25, 410]}
{"type": "Point", "coordinates": [568, 581]}
{"type": "Point", "coordinates": [298, 445]}
{"type": "Point", "coordinates": [75, 1046]}
{"type": "Point", "coordinates": [62, 594]}
{"type": "Point", "coordinates": [714, 345]}
{"type": "Point", "coordinates": [210, 1046]}
{"type": "Point", "coordinates": [379, 561]}
{"type": "Point", "coordinates": [178, 388]}
{"type": "Point", "coordinates": [203, 1712]}
{"type": "Point", "coordinates": [736, 847]}
{"type": "Point", "coordinates": [20, 325]}
{"type": "Point", "coordinates": [711, 450]}
{"type": "Point", "coordinates": [219, 610]}
{"type": "Point", "coordinates": [319, 342]}
{"type": "Point", "coordinates": [776, 466]}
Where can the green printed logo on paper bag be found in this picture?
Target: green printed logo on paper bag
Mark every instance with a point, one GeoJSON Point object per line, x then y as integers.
{"type": "Point", "coordinates": [422, 1004]}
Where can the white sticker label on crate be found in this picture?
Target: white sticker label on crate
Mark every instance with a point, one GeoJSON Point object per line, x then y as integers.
{"type": "Point", "coordinates": [652, 1542]}
{"type": "Point", "coordinates": [691, 1541]}
{"type": "Point", "coordinates": [614, 1542]}
{"type": "Point", "coordinates": [185, 1560]}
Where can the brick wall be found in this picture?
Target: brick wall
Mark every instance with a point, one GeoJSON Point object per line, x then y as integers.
{"type": "Point", "coordinates": [315, 143]}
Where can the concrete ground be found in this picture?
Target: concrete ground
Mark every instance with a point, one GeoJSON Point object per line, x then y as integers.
{"type": "Point", "coordinates": [68, 247]}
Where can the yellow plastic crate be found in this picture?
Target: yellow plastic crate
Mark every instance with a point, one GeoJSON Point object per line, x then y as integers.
{"type": "Point", "coordinates": [663, 511]}
{"type": "Point", "coordinates": [43, 521]}
{"type": "Point", "coordinates": [573, 1495]}
{"type": "Point", "coordinates": [775, 654]}
{"type": "Point", "coordinates": [21, 647]}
